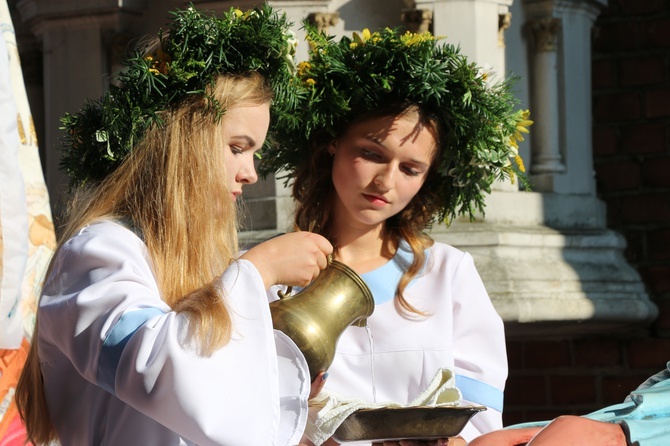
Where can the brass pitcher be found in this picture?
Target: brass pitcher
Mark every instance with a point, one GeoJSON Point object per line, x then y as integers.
{"type": "Point", "coordinates": [315, 317]}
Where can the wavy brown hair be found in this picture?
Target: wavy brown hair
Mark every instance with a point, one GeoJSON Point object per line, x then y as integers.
{"type": "Point", "coordinates": [164, 191]}
{"type": "Point", "coordinates": [314, 193]}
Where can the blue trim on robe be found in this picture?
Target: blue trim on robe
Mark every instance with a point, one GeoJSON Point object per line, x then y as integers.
{"type": "Point", "coordinates": [383, 281]}
{"type": "Point", "coordinates": [480, 393]}
{"type": "Point", "coordinates": [116, 341]}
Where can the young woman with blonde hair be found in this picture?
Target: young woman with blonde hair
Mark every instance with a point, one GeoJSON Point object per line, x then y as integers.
{"type": "Point", "coordinates": [150, 329]}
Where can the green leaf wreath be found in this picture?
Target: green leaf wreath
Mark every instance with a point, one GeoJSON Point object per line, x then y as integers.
{"type": "Point", "coordinates": [346, 78]}
{"type": "Point", "coordinates": [198, 47]}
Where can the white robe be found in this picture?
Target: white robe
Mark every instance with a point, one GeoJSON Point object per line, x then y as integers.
{"type": "Point", "coordinates": [116, 370]}
{"type": "Point", "coordinates": [463, 333]}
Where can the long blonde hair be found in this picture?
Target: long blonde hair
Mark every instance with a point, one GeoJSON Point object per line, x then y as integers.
{"type": "Point", "coordinates": [165, 191]}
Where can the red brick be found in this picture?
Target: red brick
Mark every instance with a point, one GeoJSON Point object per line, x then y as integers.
{"type": "Point", "coordinates": [644, 138]}
{"type": "Point", "coordinates": [645, 208]}
{"type": "Point", "coordinates": [648, 70]}
{"type": "Point", "coordinates": [514, 355]}
{"type": "Point", "coordinates": [635, 246]}
{"type": "Point", "coordinates": [618, 176]}
{"type": "Point", "coordinates": [662, 322]}
{"type": "Point", "coordinates": [657, 278]}
{"type": "Point", "coordinates": [659, 245]}
{"type": "Point", "coordinates": [613, 209]}
{"type": "Point", "coordinates": [573, 389]}
{"type": "Point", "coordinates": [513, 417]}
{"type": "Point", "coordinates": [657, 103]}
{"type": "Point", "coordinates": [525, 390]}
{"type": "Point", "coordinates": [617, 36]}
{"type": "Point", "coordinates": [655, 32]}
{"type": "Point", "coordinates": [603, 73]}
{"type": "Point", "coordinates": [656, 173]}
{"type": "Point", "coordinates": [638, 7]}
{"type": "Point", "coordinates": [546, 354]}
{"type": "Point", "coordinates": [611, 9]}
{"type": "Point", "coordinates": [616, 388]}
{"type": "Point", "coordinates": [597, 353]}
{"type": "Point", "coordinates": [605, 141]}
{"type": "Point", "coordinates": [616, 107]}
{"type": "Point", "coordinates": [649, 353]}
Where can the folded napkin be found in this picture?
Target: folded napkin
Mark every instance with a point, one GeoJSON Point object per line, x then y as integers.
{"type": "Point", "coordinates": [328, 409]}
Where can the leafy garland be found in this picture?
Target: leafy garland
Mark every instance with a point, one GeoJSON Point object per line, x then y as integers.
{"type": "Point", "coordinates": [346, 78]}
{"type": "Point", "coordinates": [197, 48]}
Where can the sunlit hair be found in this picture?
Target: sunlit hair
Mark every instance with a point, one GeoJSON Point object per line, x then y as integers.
{"type": "Point", "coordinates": [165, 191]}
{"type": "Point", "coordinates": [314, 193]}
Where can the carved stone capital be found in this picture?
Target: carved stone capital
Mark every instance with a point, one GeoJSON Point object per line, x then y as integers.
{"type": "Point", "coordinates": [417, 20]}
{"type": "Point", "coordinates": [545, 32]}
{"type": "Point", "coordinates": [504, 22]}
{"type": "Point", "coordinates": [323, 20]}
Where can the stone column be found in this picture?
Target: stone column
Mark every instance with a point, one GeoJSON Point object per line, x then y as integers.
{"type": "Point", "coordinates": [546, 156]}
{"type": "Point", "coordinates": [418, 20]}
{"type": "Point", "coordinates": [323, 20]}
{"type": "Point", "coordinates": [561, 93]}
{"type": "Point", "coordinates": [478, 27]}
{"type": "Point", "coordinates": [474, 25]}
{"type": "Point", "coordinates": [549, 262]}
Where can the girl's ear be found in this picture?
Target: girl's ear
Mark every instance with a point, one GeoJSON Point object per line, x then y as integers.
{"type": "Point", "coordinates": [332, 147]}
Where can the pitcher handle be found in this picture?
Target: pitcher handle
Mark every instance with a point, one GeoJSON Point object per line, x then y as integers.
{"type": "Point", "coordinates": [285, 294]}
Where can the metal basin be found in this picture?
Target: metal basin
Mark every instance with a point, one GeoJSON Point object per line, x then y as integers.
{"type": "Point", "coordinates": [405, 423]}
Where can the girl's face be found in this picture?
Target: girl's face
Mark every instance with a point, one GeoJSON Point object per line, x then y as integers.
{"type": "Point", "coordinates": [244, 129]}
{"type": "Point", "coordinates": [379, 165]}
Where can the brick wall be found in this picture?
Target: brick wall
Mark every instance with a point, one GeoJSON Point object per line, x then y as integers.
{"type": "Point", "coordinates": [631, 131]}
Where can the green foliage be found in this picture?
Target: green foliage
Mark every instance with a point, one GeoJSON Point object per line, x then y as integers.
{"type": "Point", "coordinates": [353, 76]}
{"type": "Point", "coordinates": [197, 48]}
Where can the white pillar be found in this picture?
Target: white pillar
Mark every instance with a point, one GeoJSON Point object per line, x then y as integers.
{"type": "Point", "coordinates": [560, 94]}
{"type": "Point", "coordinates": [546, 159]}
{"type": "Point", "coordinates": [548, 261]}
{"type": "Point", "coordinates": [474, 26]}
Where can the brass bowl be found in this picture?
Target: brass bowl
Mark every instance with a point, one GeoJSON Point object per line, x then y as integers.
{"type": "Point", "coordinates": [405, 423]}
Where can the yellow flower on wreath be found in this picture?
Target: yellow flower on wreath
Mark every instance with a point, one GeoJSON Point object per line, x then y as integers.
{"type": "Point", "coordinates": [159, 62]}
{"type": "Point", "coordinates": [150, 61]}
{"type": "Point", "coordinates": [303, 68]}
{"type": "Point", "coordinates": [410, 38]}
{"type": "Point", "coordinates": [522, 124]}
{"type": "Point", "coordinates": [360, 39]}
{"type": "Point", "coordinates": [519, 162]}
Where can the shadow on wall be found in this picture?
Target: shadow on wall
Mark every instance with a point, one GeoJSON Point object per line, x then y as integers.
{"type": "Point", "coordinates": [359, 14]}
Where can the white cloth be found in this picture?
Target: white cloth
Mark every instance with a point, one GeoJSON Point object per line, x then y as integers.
{"type": "Point", "coordinates": [117, 373]}
{"type": "Point", "coordinates": [462, 333]}
{"type": "Point", "coordinates": [13, 208]}
{"type": "Point", "coordinates": [333, 409]}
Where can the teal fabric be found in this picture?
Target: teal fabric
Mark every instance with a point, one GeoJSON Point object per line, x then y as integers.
{"type": "Point", "coordinates": [644, 414]}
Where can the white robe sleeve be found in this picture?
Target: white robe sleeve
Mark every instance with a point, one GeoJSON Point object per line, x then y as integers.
{"type": "Point", "coordinates": [101, 308]}
{"type": "Point", "coordinates": [480, 357]}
